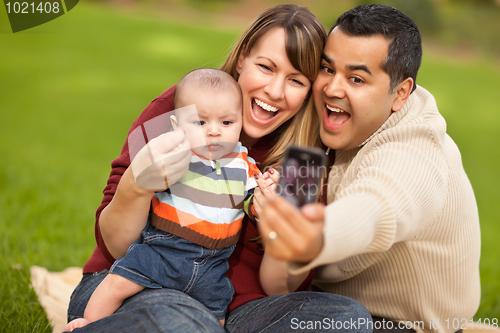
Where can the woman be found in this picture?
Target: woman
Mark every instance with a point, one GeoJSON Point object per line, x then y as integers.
{"type": "Point", "coordinates": [275, 62]}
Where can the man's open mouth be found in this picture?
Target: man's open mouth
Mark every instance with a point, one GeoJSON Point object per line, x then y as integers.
{"type": "Point", "coordinates": [335, 117]}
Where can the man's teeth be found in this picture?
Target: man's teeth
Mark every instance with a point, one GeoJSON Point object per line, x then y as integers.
{"type": "Point", "coordinates": [331, 108]}
{"type": "Point", "coordinates": [266, 106]}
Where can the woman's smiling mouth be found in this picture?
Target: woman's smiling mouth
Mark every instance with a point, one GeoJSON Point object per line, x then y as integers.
{"type": "Point", "coordinates": [263, 112]}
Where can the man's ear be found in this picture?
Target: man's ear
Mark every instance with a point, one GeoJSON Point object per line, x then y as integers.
{"type": "Point", "coordinates": [241, 57]}
{"type": "Point", "coordinates": [403, 91]}
{"type": "Point", "coordinates": [173, 121]}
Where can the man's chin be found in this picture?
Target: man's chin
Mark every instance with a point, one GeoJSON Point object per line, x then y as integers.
{"type": "Point", "coordinates": [330, 140]}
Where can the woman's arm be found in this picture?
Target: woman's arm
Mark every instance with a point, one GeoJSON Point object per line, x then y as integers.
{"type": "Point", "coordinates": [275, 278]}
{"type": "Point", "coordinates": [123, 219]}
{"type": "Point", "coordinates": [163, 160]}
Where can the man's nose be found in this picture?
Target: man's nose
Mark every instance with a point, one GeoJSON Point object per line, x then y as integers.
{"type": "Point", "coordinates": [335, 87]}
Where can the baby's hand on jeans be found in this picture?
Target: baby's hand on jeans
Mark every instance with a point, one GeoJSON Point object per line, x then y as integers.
{"type": "Point", "coordinates": [163, 161]}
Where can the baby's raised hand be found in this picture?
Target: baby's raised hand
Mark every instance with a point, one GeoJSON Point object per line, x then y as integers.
{"type": "Point", "coordinates": [271, 178]}
{"type": "Point", "coordinates": [267, 186]}
{"type": "Point", "coordinates": [163, 161]}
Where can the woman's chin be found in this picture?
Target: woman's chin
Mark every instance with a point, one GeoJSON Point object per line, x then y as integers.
{"type": "Point", "coordinates": [255, 132]}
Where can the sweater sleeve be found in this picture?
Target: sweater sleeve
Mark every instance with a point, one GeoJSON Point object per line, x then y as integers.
{"type": "Point", "coordinates": [398, 189]}
{"type": "Point", "coordinates": [160, 105]}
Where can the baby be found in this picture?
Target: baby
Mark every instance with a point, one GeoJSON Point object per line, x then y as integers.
{"type": "Point", "coordinates": [196, 222]}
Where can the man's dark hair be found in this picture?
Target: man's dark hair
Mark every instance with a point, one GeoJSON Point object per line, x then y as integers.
{"type": "Point", "coordinates": [405, 48]}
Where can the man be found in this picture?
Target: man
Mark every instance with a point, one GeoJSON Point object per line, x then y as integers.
{"type": "Point", "coordinates": [400, 233]}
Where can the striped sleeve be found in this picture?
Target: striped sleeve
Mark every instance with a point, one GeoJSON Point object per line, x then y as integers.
{"type": "Point", "coordinates": [251, 184]}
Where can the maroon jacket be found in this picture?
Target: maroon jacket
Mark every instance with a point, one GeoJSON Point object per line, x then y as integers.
{"type": "Point", "coordinates": [244, 262]}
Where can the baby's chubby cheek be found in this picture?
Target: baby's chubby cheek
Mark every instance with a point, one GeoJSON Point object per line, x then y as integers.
{"type": "Point", "coordinates": [196, 137]}
{"type": "Point", "coordinates": [201, 151]}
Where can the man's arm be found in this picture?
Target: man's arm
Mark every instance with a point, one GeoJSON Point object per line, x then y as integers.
{"type": "Point", "coordinates": [386, 202]}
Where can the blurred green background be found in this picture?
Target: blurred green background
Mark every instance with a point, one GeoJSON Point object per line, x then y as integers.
{"type": "Point", "coordinates": [70, 90]}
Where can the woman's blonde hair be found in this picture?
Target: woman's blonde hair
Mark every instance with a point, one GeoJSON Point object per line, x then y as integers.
{"type": "Point", "coordinates": [304, 41]}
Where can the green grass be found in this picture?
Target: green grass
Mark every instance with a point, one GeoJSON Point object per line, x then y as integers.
{"type": "Point", "coordinates": [467, 96]}
{"type": "Point", "coordinates": [70, 89]}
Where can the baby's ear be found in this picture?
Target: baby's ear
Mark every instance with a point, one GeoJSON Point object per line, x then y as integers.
{"type": "Point", "coordinates": [173, 120]}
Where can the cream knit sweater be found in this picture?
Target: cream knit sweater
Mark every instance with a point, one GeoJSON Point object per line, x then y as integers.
{"type": "Point", "coordinates": [402, 228]}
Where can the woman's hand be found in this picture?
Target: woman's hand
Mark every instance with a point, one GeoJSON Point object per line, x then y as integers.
{"type": "Point", "coordinates": [163, 161]}
{"type": "Point", "coordinates": [288, 233]}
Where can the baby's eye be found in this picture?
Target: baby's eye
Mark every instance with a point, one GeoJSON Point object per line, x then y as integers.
{"type": "Point", "coordinates": [227, 122]}
{"type": "Point", "coordinates": [199, 123]}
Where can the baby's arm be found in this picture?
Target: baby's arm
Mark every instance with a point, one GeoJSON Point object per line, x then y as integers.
{"type": "Point", "coordinates": [274, 276]}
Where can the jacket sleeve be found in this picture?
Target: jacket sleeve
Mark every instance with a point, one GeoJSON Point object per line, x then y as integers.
{"type": "Point", "coordinates": [398, 190]}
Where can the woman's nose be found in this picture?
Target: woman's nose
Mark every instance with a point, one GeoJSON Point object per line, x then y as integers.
{"type": "Point", "coordinates": [275, 88]}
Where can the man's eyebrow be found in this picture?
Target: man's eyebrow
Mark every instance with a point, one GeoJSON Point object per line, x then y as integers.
{"type": "Point", "coordinates": [348, 67]}
{"type": "Point", "coordinates": [327, 58]}
{"type": "Point", "coordinates": [358, 68]}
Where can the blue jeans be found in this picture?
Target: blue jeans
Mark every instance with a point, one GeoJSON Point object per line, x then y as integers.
{"type": "Point", "coordinates": [168, 310]}
{"type": "Point", "coordinates": [304, 311]}
{"type": "Point", "coordinates": [162, 260]}
{"type": "Point", "coordinates": [151, 310]}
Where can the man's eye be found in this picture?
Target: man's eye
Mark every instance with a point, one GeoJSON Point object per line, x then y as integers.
{"type": "Point", "coordinates": [327, 69]}
{"type": "Point", "coordinates": [357, 80]}
{"type": "Point", "coordinates": [227, 122]}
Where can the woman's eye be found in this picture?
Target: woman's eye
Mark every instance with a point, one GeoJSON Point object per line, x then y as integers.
{"type": "Point", "coordinates": [227, 122]}
{"type": "Point", "coordinates": [298, 82]}
{"type": "Point", "coordinates": [264, 67]}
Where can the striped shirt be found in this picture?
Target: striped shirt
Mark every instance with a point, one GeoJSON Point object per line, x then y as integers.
{"type": "Point", "coordinates": [207, 205]}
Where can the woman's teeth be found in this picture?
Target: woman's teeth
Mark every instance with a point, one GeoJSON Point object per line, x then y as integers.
{"type": "Point", "coordinates": [265, 106]}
